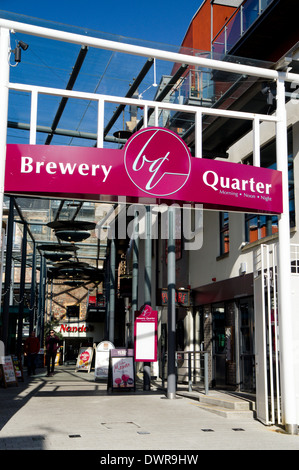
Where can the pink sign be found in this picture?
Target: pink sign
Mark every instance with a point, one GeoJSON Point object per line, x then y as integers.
{"type": "Point", "coordinates": [154, 166]}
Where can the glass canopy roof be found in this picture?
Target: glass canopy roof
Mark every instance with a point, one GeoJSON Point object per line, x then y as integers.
{"type": "Point", "coordinates": [72, 122]}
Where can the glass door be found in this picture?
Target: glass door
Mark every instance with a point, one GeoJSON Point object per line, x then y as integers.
{"type": "Point", "coordinates": [219, 346]}
{"type": "Point", "coordinates": [247, 344]}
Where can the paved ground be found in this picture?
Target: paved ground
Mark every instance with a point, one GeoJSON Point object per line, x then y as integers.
{"type": "Point", "coordinates": [71, 411]}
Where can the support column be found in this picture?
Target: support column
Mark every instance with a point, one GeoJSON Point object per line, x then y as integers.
{"type": "Point", "coordinates": [4, 81]}
{"type": "Point", "coordinates": [33, 290]}
{"type": "Point", "coordinates": [7, 282]}
{"type": "Point", "coordinates": [41, 301]}
{"type": "Point", "coordinates": [171, 319]}
{"type": "Point", "coordinates": [112, 291]}
{"type": "Point", "coordinates": [135, 269]}
{"type": "Point", "coordinates": [22, 290]}
{"type": "Point", "coordinates": [288, 392]}
{"type": "Point", "coordinates": [147, 287]}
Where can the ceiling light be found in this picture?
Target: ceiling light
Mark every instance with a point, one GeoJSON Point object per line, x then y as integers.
{"type": "Point", "coordinates": [72, 235]}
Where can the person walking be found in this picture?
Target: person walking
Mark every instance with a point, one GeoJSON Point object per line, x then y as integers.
{"type": "Point", "coordinates": [52, 345]}
{"type": "Point", "coordinates": [31, 350]}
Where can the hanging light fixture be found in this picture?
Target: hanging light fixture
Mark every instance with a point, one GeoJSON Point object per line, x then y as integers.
{"type": "Point", "coordinates": [72, 235]}
{"type": "Point", "coordinates": [72, 230]}
{"type": "Point", "coordinates": [57, 256]}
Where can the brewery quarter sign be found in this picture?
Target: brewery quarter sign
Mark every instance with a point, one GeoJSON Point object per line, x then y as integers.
{"type": "Point", "coordinates": [155, 166]}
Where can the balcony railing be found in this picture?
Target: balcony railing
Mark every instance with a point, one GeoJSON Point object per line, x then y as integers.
{"type": "Point", "coordinates": [240, 21]}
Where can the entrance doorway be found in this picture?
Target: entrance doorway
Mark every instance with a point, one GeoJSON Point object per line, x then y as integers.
{"type": "Point", "coordinates": [219, 348]}
{"type": "Point", "coordinates": [247, 373]}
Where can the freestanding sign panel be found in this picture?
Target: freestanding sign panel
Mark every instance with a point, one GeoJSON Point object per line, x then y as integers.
{"type": "Point", "coordinates": [101, 369]}
{"type": "Point", "coordinates": [8, 373]}
{"type": "Point", "coordinates": [154, 166]}
{"type": "Point", "coordinates": [145, 335]}
{"type": "Point", "coordinates": [84, 359]}
{"type": "Point", "coordinates": [121, 371]}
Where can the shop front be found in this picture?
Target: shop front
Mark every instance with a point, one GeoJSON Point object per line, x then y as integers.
{"type": "Point", "coordinates": [77, 334]}
{"type": "Point", "coordinates": [227, 311]}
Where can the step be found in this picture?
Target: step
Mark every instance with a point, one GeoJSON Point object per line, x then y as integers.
{"type": "Point", "coordinates": [227, 413]}
{"type": "Point", "coordinates": [226, 402]}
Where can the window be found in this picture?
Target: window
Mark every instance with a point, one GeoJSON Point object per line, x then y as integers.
{"type": "Point", "coordinates": [224, 233]}
{"type": "Point", "coordinates": [261, 226]}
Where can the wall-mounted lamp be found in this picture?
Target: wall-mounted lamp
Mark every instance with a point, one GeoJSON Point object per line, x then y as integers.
{"type": "Point", "coordinates": [17, 51]}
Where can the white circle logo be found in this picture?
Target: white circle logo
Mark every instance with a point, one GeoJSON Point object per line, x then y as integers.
{"type": "Point", "coordinates": [157, 161]}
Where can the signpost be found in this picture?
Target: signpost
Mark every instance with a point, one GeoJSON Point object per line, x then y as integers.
{"type": "Point", "coordinates": [145, 335]}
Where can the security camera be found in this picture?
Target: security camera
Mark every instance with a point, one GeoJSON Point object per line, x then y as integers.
{"type": "Point", "coordinates": [23, 45]}
{"type": "Point", "coordinates": [17, 51]}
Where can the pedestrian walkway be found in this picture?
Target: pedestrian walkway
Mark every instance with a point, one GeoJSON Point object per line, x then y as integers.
{"type": "Point", "coordinates": [72, 411]}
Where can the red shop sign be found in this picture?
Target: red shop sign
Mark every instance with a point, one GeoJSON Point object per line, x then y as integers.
{"type": "Point", "coordinates": [155, 166]}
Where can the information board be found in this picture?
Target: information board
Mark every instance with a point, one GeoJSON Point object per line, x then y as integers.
{"type": "Point", "coordinates": [121, 370]}
{"type": "Point", "coordinates": [84, 359]}
{"type": "Point", "coordinates": [18, 368]}
{"type": "Point", "coordinates": [8, 371]}
{"type": "Point", "coordinates": [101, 370]}
{"type": "Point", "coordinates": [145, 335]}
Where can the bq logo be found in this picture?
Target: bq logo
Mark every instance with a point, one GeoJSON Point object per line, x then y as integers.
{"type": "Point", "coordinates": [157, 161]}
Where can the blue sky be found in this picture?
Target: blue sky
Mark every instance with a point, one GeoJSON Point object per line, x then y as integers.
{"type": "Point", "coordinates": [158, 21]}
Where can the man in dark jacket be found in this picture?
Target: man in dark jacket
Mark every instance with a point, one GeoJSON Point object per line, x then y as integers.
{"type": "Point", "coordinates": [52, 345]}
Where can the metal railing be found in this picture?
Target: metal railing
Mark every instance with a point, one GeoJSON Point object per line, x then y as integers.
{"type": "Point", "coordinates": [239, 22]}
{"type": "Point", "coordinates": [192, 365]}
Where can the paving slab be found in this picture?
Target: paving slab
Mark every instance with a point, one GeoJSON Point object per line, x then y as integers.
{"type": "Point", "coordinates": [71, 411]}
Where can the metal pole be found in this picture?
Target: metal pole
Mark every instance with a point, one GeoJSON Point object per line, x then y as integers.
{"type": "Point", "coordinates": [7, 282]}
{"type": "Point", "coordinates": [147, 287]}
{"type": "Point", "coordinates": [43, 280]}
{"type": "Point", "coordinates": [33, 289]}
{"type": "Point", "coordinates": [171, 369]}
{"type": "Point", "coordinates": [41, 294]}
{"type": "Point", "coordinates": [4, 90]}
{"type": "Point", "coordinates": [107, 293]}
{"type": "Point", "coordinates": [206, 372]}
{"type": "Point", "coordinates": [135, 272]}
{"type": "Point", "coordinates": [22, 290]}
{"type": "Point", "coordinates": [288, 392]}
{"type": "Point", "coordinates": [112, 291]}
{"type": "Point", "coordinates": [189, 372]}
{"type": "Point", "coordinates": [169, 56]}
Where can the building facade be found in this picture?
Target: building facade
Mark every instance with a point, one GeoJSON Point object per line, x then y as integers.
{"type": "Point", "coordinates": [224, 287]}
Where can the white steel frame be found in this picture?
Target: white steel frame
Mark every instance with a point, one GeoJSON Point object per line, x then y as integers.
{"type": "Point", "coordinates": [6, 26]}
{"type": "Point", "coordinates": [266, 329]}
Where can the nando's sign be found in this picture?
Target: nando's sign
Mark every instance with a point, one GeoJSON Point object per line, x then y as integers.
{"type": "Point", "coordinates": [155, 166]}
